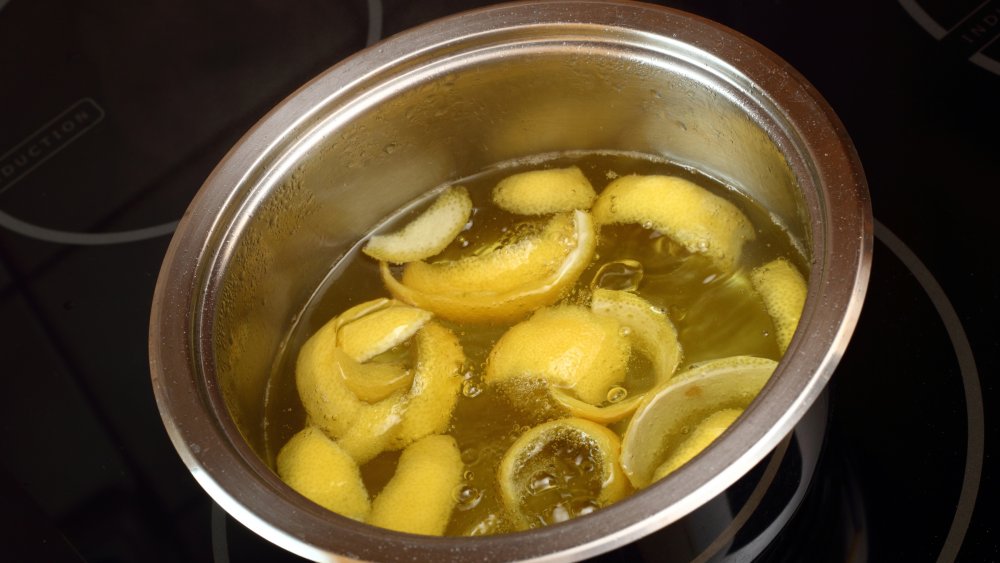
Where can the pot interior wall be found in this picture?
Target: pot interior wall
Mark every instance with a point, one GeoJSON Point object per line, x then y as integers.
{"type": "Point", "coordinates": [419, 124]}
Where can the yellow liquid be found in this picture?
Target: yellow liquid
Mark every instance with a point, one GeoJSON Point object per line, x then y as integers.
{"type": "Point", "coordinates": [716, 315]}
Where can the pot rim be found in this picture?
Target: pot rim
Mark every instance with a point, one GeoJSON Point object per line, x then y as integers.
{"type": "Point", "coordinates": [212, 447]}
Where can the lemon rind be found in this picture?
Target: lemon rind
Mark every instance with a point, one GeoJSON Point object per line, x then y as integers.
{"type": "Point", "coordinates": [687, 213]}
{"type": "Point", "coordinates": [540, 192]}
{"type": "Point", "coordinates": [783, 290]}
{"type": "Point", "coordinates": [404, 322]}
{"type": "Point", "coordinates": [707, 387]}
{"type": "Point", "coordinates": [318, 469]}
{"type": "Point", "coordinates": [428, 234]}
{"type": "Point", "coordinates": [366, 429]}
{"type": "Point", "coordinates": [487, 307]}
{"type": "Point", "coordinates": [419, 499]}
{"type": "Point", "coordinates": [615, 485]}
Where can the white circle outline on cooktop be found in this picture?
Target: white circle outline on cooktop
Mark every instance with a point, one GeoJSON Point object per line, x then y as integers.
{"type": "Point", "coordinates": [57, 236]}
{"type": "Point", "coordinates": [975, 429]}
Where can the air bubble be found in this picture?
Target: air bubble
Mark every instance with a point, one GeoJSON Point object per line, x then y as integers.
{"type": "Point", "coordinates": [587, 507]}
{"type": "Point", "coordinates": [470, 456]}
{"type": "Point", "coordinates": [625, 331]}
{"type": "Point", "coordinates": [622, 275]}
{"type": "Point", "coordinates": [559, 513]}
{"type": "Point", "coordinates": [471, 389]}
{"type": "Point", "coordinates": [541, 481]}
{"type": "Point", "coordinates": [467, 497]}
{"type": "Point", "coordinates": [617, 394]}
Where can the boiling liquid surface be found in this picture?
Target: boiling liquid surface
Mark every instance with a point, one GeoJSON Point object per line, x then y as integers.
{"type": "Point", "coordinates": [716, 315]}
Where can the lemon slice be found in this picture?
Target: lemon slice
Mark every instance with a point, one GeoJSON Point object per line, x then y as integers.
{"type": "Point", "coordinates": [429, 233]}
{"type": "Point", "coordinates": [569, 347]}
{"type": "Point", "coordinates": [783, 290]}
{"type": "Point", "coordinates": [371, 417]}
{"type": "Point", "coordinates": [700, 221]}
{"type": "Point", "coordinates": [544, 191]}
{"type": "Point", "coordinates": [706, 433]}
{"type": "Point", "coordinates": [378, 331]}
{"type": "Point", "coordinates": [420, 497]}
{"type": "Point", "coordinates": [667, 414]}
{"type": "Point", "coordinates": [649, 330]}
{"type": "Point", "coordinates": [486, 305]}
{"type": "Point", "coordinates": [321, 471]}
{"type": "Point", "coordinates": [559, 470]}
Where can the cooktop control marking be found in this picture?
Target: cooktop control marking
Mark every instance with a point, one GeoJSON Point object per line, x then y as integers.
{"type": "Point", "coordinates": [969, 31]}
{"type": "Point", "coordinates": [48, 140]}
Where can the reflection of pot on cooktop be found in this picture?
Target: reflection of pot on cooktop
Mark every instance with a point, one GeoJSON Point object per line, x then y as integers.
{"type": "Point", "coordinates": [899, 472]}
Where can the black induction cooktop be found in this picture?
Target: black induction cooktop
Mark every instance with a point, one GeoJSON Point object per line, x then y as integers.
{"type": "Point", "coordinates": [113, 113]}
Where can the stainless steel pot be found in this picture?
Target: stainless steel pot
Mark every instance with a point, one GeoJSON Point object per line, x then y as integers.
{"type": "Point", "coordinates": [443, 101]}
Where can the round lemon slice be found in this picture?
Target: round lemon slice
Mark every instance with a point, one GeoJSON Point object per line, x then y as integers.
{"type": "Point", "coordinates": [649, 330]}
{"type": "Point", "coordinates": [420, 497]}
{"type": "Point", "coordinates": [544, 191]}
{"type": "Point", "coordinates": [321, 471]}
{"type": "Point", "coordinates": [429, 233]}
{"type": "Point", "coordinates": [394, 414]}
{"type": "Point", "coordinates": [487, 305]}
{"type": "Point", "coordinates": [783, 290]}
{"type": "Point", "coordinates": [667, 414]}
{"type": "Point", "coordinates": [560, 470]}
{"type": "Point", "coordinates": [703, 223]}
{"type": "Point", "coordinates": [569, 347]}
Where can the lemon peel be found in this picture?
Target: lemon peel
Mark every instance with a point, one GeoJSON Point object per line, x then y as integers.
{"type": "Point", "coordinates": [527, 456]}
{"type": "Point", "coordinates": [539, 192]}
{"type": "Point", "coordinates": [318, 469]}
{"type": "Point", "coordinates": [505, 268]}
{"type": "Point", "coordinates": [378, 331]}
{"type": "Point", "coordinates": [650, 331]}
{"type": "Point", "coordinates": [700, 221]}
{"type": "Point", "coordinates": [429, 233]}
{"type": "Point", "coordinates": [487, 306]}
{"type": "Point", "coordinates": [705, 433]}
{"type": "Point", "coordinates": [650, 327]}
{"type": "Point", "coordinates": [434, 396]}
{"type": "Point", "coordinates": [419, 499]}
{"type": "Point", "coordinates": [362, 428]}
{"type": "Point", "coordinates": [569, 347]}
{"type": "Point", "coordinates": [783, 290]}
{"type": "Point", "coordinates": [657, 428]}
{"type": "Point", "coordinates": [373, 382]}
